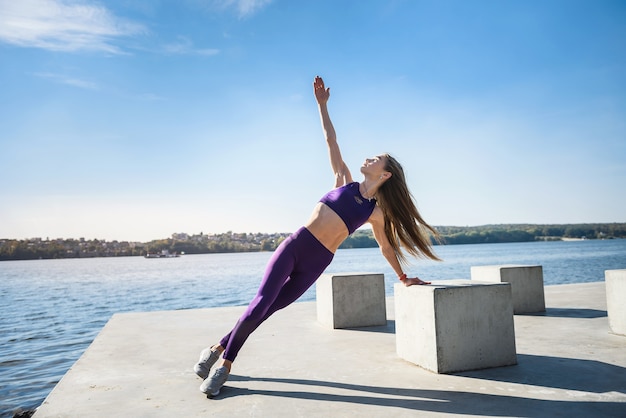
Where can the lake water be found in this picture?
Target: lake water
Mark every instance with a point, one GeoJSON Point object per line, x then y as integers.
{"type": "Point", "coordinates": [53, 309]}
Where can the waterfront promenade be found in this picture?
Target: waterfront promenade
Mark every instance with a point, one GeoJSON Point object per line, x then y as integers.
{"type": "Point", "coordinates": [140, 365]}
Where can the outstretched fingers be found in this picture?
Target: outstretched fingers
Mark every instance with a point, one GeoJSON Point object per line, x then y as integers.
{"type": "Point", "coordinates": [321, 93]}
{"type": "Point", "coordinates": [414, 281]}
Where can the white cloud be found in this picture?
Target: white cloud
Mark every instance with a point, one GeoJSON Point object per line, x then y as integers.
{"type": "Point", "coordinates": [247, 7]}
{"type": "Point", "coordinates": [72, 81]}
{"type": "Point", "coordinates": [184, 46]}
{"type": "Point", "coordinates": [244, 7]}
{"type": "Point", "coordinates": [63, 25]}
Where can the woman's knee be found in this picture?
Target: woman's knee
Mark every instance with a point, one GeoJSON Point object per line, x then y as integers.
{"type": "Point", "coordinates": [256, 310]}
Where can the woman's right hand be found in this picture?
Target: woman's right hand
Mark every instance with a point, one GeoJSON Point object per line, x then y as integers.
{"type": "Point", "coordinates": [322, 94]}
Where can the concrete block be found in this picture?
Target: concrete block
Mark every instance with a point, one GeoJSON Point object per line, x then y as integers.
{"type": "Point", "coordinates": [456, 325]}
{"type": "Point", "coordinates": [526, 284]}
{"type": "Point", "coordinates": [615, 281]}
{"type": "Point", "coordinates": [351, 300]}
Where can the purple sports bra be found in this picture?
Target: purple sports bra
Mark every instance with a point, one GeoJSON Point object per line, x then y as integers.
{"type": "Point", "coordinates": [347, 202]}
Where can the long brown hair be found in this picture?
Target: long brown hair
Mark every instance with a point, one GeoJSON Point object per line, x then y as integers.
{"type": "Point", "coordinates": [404, 226]}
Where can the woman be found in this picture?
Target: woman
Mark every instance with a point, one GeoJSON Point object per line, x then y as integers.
{"type": "Point", "coordinates": [382, 199]}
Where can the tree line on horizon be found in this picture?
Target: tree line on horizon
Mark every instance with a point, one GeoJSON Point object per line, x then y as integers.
{"type": "Point", "coordinates": [229, 242]}
{"type": "Point", "coordinates": [506, 233]}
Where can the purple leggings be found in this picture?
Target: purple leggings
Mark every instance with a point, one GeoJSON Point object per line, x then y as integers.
{"type": "Point", "coordinates": [294, 267]}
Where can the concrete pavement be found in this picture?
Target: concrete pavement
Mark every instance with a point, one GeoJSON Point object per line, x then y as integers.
{"type": "Point", "coordinates": [140, 365]}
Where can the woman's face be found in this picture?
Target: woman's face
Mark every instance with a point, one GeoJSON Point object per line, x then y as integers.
{"type": "Point", "coordinates": [374, 166]}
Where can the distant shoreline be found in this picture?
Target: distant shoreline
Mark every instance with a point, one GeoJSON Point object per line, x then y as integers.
{"type": "Point", "coordinates": [230, 242]}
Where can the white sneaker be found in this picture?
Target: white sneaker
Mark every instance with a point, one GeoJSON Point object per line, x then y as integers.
{"type": "Point", "coordinates": [208, 357]}
{"type": "Point", "coordinates": [212, 384]}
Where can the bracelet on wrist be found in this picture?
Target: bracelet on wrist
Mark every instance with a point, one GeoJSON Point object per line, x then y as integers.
{"type": "Point", "coordinates": [403, 277]}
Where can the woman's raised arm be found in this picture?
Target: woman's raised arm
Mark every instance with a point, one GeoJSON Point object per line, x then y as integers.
{"type": "Point", "coordinates": [340, 170]}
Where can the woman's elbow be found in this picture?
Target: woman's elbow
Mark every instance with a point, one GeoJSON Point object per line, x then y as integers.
{"type": "Point", "coordinates": [387, 251]}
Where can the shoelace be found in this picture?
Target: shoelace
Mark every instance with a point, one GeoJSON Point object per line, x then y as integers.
{"type": "Point", "coordinates": [220, 374]}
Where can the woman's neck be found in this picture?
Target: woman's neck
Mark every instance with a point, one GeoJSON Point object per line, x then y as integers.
{"type": "Point", "coordinates": [368, 188]}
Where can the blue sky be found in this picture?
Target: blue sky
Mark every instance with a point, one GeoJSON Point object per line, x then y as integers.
{"type": "Point", "coordinates": [135, 119]}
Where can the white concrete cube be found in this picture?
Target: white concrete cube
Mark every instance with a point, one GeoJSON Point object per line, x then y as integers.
{"type": "Point", "coordinates": [455, 325]}
{"type": "Point", "coordinates": [526, 284]}
{"type": "Point", "coordinates": [351, 300]}
{"type": "Point", "coordinates": [615, 281]}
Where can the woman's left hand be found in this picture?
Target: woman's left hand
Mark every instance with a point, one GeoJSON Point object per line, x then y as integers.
{"type": "Point", "coordinates": [412, 281]}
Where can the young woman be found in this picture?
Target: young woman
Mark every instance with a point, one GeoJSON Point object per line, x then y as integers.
{"type": "Point", "coordinates": [382, 199]}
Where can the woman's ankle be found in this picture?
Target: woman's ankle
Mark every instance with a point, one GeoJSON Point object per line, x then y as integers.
{"type": "Point", "coordinates": [227, 363]}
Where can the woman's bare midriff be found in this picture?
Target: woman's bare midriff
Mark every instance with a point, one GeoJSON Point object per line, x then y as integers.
{"type": "Point", "coordinates": [327, 227]}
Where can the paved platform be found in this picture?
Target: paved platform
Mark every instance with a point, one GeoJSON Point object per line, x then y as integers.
{"type": "Point", "coordinates": [140, 365]}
